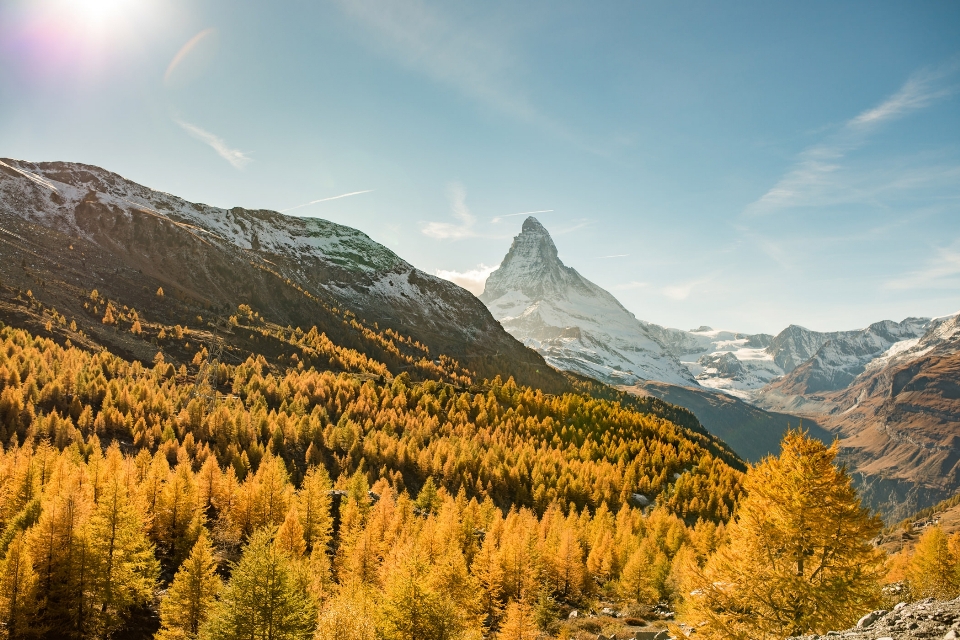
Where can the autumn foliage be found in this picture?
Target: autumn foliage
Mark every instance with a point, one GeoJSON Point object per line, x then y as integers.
{"type": "Point", "coordinates": [123, 486]}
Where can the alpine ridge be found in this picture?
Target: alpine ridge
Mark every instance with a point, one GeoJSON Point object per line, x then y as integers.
{"type": "Point", "coordinates": [127, 241]}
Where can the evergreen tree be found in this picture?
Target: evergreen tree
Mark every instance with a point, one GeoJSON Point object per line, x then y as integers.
{"type": "Point", "coordinates": [188, 602]}
{"type": "Point", "coordinates": [799, 557]}
{"type": "Point", "coordinates": [414, 609]}
{"type": "Point", "coordinates": [263, 600]}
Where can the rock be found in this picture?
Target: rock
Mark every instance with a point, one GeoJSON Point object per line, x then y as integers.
{"type": "Point", "coordinates": [650, 635]}
{"type": "Point", "coordinates": [640, 500]}
{"type": "Point", "coordinates": [573, 614]}
{"type": "Point", "coordinates": [869, 619]}
{"type": "Point", "coordinates": [927, 619]}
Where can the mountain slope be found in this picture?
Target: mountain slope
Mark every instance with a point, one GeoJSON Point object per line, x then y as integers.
{"type": "Point", "coordinates": [899, 419]}
{"type": "Point", "coordinates": [572, 322]}
{"type": "Point", "coordinates": [127, 241]}
{"type": "Point", "coordinates": [841, 356]}
{"type": "Point", "coordinates": [749, 430]}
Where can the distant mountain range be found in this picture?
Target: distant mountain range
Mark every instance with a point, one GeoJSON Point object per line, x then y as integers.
{"type": "Point", "coordinates": [890, 391]}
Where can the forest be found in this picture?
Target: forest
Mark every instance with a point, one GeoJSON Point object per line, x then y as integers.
{"type": "Point", "coordinates": [253, 500]}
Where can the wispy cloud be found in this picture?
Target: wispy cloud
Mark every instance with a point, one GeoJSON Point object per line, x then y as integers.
{"type": "Point", "coordinates": [342, 195]}
{"type": "Point", "coordinates": [942, 271]}
{"type": "Point", "coordinates": [575, 225]}
{"type": "Point", "coordinates": [683, 290]}
{"type": "Point", "coordinates": [459, 53]}
{"type": "Point", "coordinates": [616, 255]}
{"type": "Point", "coordinates": [473, 280]}
{"type": "Point", "coordinates": [234, 156]}
{"type": "Point", "coordinates": [820, 177]}
{"type": "Point", "coordinates": [523, 213]}
{"type": "Point", "coordinates": [449, 230]}
{"type": "Point", "coordinates": [626, 286]}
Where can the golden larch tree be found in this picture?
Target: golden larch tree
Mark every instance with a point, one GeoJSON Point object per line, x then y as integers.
{"type": "Point", "coordinates": [799, 557]}
{"type": "Point", "coordinates": [185, 608]}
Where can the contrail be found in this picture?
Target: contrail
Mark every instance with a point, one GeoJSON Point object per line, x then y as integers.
{"type": "Point", "coordinates": [343, 195]}
{"type": "Point", "coordinates": [524, 213]}
{"type": "Point", "coordinates": [618, 255]}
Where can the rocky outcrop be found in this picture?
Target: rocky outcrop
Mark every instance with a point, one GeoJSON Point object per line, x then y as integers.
{"type": "Point", "coordinates": [928, 619]}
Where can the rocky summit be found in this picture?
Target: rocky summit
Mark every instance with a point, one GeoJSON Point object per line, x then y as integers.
{"type": "Point", "coordinates": [924, 619]}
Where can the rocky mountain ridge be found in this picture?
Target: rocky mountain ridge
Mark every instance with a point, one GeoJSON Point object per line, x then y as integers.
{"type": "Point", "coordinates": [927, 619]}
{"type": "Point", "coordinates": [128, 241]}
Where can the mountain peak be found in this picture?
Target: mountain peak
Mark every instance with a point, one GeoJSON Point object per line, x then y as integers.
{"type": "Point", "coordinates": [572, 322]}
{"type": "Point", "coordinates": [531, 265]}
{"type": "Point", "coordinates": [533, 225]}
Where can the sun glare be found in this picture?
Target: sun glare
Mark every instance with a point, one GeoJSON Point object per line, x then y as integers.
{"type": "Point", "coordinates": [100, 14]}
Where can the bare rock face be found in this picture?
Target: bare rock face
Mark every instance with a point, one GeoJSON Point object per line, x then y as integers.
{"type": "Point", "coordinates": [928, 619]}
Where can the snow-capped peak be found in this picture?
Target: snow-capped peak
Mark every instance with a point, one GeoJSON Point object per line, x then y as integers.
{"type": "Point", "coordinates": [575, 324]}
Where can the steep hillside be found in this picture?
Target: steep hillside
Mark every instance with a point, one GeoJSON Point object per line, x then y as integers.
{"type": "Point", "coordinates": [899, 420]}
{"type": "Point", "coordinates": [68, 229]}
{"type": "Point", "coordinates": [573, 323]}
{"type": "Point", "coordinates": [750, 431]}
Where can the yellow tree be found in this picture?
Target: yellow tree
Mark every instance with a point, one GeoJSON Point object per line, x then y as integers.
{"type": "Point", "coordinates": [313, 505]}
{"type": "Point", "coordinates": [799, 557]}
{"type": "Point", "coordinates": [61, 551]}
{"type": "Point", "coordinates": [488, 573]}
{"type": "Point", "coordinates": [18, 583]}
{"type": "Point", "coordinates": [931, 571]}
{"type": "Point", "coordinates": [178, 519]}
{"type": "Point", "coordinates": [193, 593]}
{"type": "Point", "coordinates": [349, 615]}
{"type": "Point", "coordinates": [645, 574]}
{"type": "Point", "coordinates": [126, 569]}
{"type": "Point", "coordinates": [519, 622]}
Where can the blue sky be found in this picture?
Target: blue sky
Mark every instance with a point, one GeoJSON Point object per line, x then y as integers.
{"type": "Point", "coordinates": [742, 165]}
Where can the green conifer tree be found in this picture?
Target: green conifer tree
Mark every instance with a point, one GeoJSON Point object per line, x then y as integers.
{"type": "Point", "coordinates": [263, 600]}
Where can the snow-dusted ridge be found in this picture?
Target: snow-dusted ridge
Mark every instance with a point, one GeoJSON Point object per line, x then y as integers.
{"type": "Point", "coordinates": [334, 264]}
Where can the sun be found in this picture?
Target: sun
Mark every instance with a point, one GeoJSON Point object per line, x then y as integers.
{"type": "Point", "coordinates": [99, 13]}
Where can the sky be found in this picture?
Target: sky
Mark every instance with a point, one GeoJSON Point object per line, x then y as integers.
{"type": "Point", "coordinates": [743, 165]}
